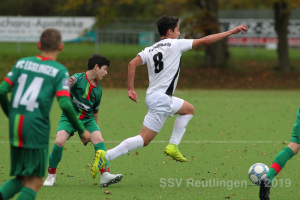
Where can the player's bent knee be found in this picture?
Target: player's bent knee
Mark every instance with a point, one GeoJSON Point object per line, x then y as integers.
{"type": "Point", "coordinates": [59, 143]}
{"type": "Point", "coordinates": [32, 182]}
{"type": "Point", "coordinates": [296, 150]}
{"type": "Point", "coordinates": [295, 147]}
{"type": "Point", "coordinates": [191, 110]}
{"type": "Point", "coordinates": [187, 109]}
{"type": "Point", "coordinates": [39, 182]}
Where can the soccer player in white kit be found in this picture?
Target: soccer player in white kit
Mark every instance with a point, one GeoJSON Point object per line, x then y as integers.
{"type": "Point", "coordinates": [163, 63]}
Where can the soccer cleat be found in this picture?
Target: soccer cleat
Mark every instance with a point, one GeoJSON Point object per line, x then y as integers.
{"type": "Point", "coordinates": [172, 150]}
{"type": "Point", "coordinates": [99, 163]}
{"type": "Point", "coordinates": [264, 191]}
{"type": "Point", "coordinates": [50, 180]}
{"type": "Point", "coordinates": [108, 179]}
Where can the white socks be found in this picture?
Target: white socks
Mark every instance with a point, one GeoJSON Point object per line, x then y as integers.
{"type": "Point", "coordinates": [137, 142]}
{"type": "Point", "coordinates": [124, 147]}
{"type": "Point", "coordinates": [179, 128]}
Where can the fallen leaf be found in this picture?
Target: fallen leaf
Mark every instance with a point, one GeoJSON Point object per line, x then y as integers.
{"type": "Point", "coordinates": [107, 192]}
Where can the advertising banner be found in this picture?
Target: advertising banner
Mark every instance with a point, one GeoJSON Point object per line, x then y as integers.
{"type": "Point", "coordinates": [29, 29]}
{"type": "Point", "coordinates": [261, 32]}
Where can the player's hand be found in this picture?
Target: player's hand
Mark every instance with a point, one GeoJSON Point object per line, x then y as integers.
{"type": "Point", "coordinates": [71, 81]}
{"type": "Point", "coordinates": [242, 28]}
{"type": "Point", "coordinates": [132, 95]}
{"type": "Point", "coordinates": [85, 137]}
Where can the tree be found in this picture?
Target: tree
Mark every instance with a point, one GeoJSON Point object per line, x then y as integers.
{"type": "Point", "coordinates": [216, 55]}
{"type": "Point", "coordinates": [282, 15]}
{"type": "Point", "coordinates": [282, 11]}
{"type": "Point", "coordinates": [207, 23]}
{"type": "Point", "coordinates": [110, 11]}
{"type": "Point", "coordinates": [28, 7]}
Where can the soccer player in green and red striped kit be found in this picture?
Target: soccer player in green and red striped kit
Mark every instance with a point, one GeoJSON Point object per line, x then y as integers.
{"type": "Point", "coordinates": [34, 82]}
{"type": "Point", "coordinates": [86, 94]}
{"type": "Point", "coordinates": [280, 160]}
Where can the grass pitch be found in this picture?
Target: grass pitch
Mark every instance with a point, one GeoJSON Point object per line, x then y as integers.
{"type": "Point", "coordinates": [230, 131]}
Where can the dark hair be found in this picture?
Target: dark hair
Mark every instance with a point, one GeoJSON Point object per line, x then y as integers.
{"type": "Point", "coordinates": [164, 23]}
{"type": "Point", "coordinates": [97, 59]}
{"type": "Point", "coordinates": [50, 39]}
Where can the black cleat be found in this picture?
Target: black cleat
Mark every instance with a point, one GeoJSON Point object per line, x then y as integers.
{"type": "Point", "coordinates": [265, 186]}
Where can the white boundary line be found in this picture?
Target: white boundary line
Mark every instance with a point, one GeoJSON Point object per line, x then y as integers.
{"type": "Point", "coordinates": [220, 142]}
{"type": "Point", "coordinates": [213, 141]}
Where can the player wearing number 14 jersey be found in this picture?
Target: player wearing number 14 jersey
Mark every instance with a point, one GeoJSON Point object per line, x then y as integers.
{"type": "Point", "coordinates": [163, 62]}
{"type": "Point", "coordinates": [34, 82]}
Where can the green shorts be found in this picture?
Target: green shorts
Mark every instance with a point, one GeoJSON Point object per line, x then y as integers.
{"type": "Point", "coordinates": [28, 162]}
{"type": "Point", "coordinates": [90, 124]}
{"type": "Point", "coordinates": [296, 129]}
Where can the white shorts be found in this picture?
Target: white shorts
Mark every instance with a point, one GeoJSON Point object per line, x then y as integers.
{"type": "Point", "coordinates": [160, 106]}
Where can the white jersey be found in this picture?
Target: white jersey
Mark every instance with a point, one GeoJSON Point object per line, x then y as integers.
{"type": "Point", "coordinates": [163, 62]}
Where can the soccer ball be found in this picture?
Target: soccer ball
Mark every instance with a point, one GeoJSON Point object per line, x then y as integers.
{"type": "Point", "coordinates": [257, 172]}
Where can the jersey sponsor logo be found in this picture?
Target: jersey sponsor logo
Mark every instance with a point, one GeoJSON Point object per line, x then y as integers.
{"type": "Point", "coordinates": [81, 105]}
{"type": "Point", "coordinates": [36, 67]}
{"type": "Point", "coordinates": [65, 83]}
{"type": "Point", "coordinates": [168, 44]}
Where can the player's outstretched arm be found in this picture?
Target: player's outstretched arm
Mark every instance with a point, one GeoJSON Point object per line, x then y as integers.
{"type": "Point", "coordinates": [137, 61]}
{"type": "Point", "coordinates": [216, 37]}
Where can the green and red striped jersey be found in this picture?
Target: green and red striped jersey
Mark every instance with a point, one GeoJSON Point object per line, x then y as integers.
{"type": "Point", "coordinates": [85, 97]}
{"type": "Point", "coordinates": [35, 82]}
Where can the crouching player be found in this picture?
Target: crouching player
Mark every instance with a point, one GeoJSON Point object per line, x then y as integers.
{"type": "Point", "coordinates": [86, 94]}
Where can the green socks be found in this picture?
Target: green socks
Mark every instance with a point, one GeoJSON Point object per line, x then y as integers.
{"type": "Point", "coordinates": [27, 194]}
{"type": "Point", "coordinates": [55, 156]}
{"type": "Point", "coordinates": [101, 146]}
{"type": "Point", "coordinates": [14, 186]}
{"type": "Point", "coordinates": [280, 160]}
{"type": "Point", "coordinates": [10, 188]}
